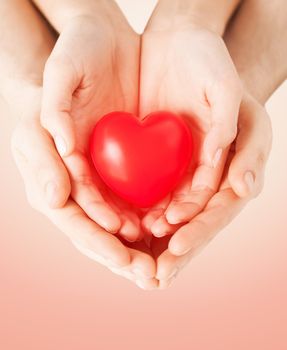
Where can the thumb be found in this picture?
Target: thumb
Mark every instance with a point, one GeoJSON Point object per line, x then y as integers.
{"type": "Point", "coordinates": [225, 103]}
{"type": "Point", "coordinates": [246, 172]}
{"type": "Point", "coordinates": [59, 84]}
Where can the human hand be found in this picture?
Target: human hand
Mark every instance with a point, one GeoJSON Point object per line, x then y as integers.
{"type": "Point", "coordinates": [40, 165]}
{"type": "Point", "coordinates": [248, 155]}
{"type": "Point", "coordinates": [191, 73]}
{"type": "Point", "coordinates": [93, 70]}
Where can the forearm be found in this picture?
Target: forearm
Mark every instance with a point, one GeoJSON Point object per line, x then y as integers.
{"type": "Point", "coordinates": [257, 42]}
{"type": "Point", "coordinates": [60, 12]}
{"type": "Point", "coordinates": [209, 14]}
{"type": "Point", "coordinates": [25, 44]}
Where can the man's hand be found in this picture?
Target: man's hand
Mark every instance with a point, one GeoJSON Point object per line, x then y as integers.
{"type": "Point", "coordinates": [40, 166]}
{"type": "Point", "coordinates": [249, 153]}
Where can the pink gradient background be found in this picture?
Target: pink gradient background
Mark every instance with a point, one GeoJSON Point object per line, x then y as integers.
{"type": "Point", "coordinates": [232, 296]}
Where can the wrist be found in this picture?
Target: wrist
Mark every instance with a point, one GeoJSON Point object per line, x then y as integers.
{"type": "Point", "coordinates": [196, 14]}
{"type": "Point", "coordinates": [22, 96]}
{"type": "Point", "coordinates": [60, 14]}
{"type": "Point", "coordinates": [255, 83]}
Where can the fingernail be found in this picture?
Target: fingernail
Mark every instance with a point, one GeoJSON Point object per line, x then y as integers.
{"type": "Point", "coordinates": [138, 272]}
{"type": "Point", "coordinates": [173, 273]}
{"type": "Point", "coordinates": [51, 192]}
{"type": "Point", "coordinates": [217, 157]}
{"type": "Point", "coordinates": [179, 252]}
{"type": "Point", "coordinates": [156, 230]}
{"type": "Point", "coordinates": [249, 180]}
{"type": "Point", "coordinates": [140, 284]}
{"type": "Point", "coordinates": [111, 263]}
{"type": "Point", "coordinates": [60, 145]}
{"type": "Point", "coordinates": [171, 280]}
{"type": "Point", "coordinates": [129, 239]}
{"type": "Point", "coordinates": [172, 217]}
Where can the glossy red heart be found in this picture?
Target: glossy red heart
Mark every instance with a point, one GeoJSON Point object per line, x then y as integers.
{"type": "Point", "coordinates": [141, 161]}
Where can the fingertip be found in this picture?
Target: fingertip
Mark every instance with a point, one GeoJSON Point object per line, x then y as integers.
{"type": "Point", "coordinates": [173, 215]}
{"type": "Point", "coordinates": [177, 246]}
{"type": "Point", "coordinates": [243, 184]}
{"type": "Point", "coordinates": [104, 216]}
{"type": "Point", "coordinates": [150, 218]}
{"type": "Point", "coordinates": [61, 127]}
{"type": "Point", "coordinates": [123, 259]}
{"type": "Point", "coordinates": [110, 221]}
{"type": "Point", "coordinates": [160, 227]}
{"type": "Point", "coordinates": [57, 194]}
{"type": "Point", "coordinates": [129, 231]}
{"type": "Point", "coordinates": [65, 145]}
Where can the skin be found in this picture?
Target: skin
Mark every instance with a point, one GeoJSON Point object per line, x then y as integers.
{"type": "Point", "coordinates": [34, 150]}
{"type": "Point", "coordinates": [252, 146]}
{"type": "Point", "coordinates": [246, 44]}
{"type": "Point", "coordinates": [209, 102]}
{"type": "Point", "coordinates": [259, 59]}
{"type": "Point", "coordinates": [131, 260]}
{"type": "Point", "coordinates": [77, 92]}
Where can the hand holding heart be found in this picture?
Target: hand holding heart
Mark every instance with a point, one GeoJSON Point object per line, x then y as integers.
{"type": "Point", "coordinates": [189, 74]}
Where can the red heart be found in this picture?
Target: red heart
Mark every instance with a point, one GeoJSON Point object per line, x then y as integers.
{"type": "Point", "coordinates": [141, 161]}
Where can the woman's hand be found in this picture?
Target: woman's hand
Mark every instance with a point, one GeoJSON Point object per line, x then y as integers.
{"type": "Point", "coordinates": [248, 155]}
{"type": "Point", "coordinates": [188, 70]}
{"type": "Point", "coordinates": [93, 70]}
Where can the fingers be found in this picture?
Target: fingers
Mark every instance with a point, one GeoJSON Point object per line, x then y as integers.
{"type": "Point", "coordinates": [59, 83]}
{"type": "Point", "coordinates": [194, 193]}
{"type": "Point", "coordinates": [130, 226]}
{"type": "Point", "coordinates": [40, 165]}
{"type": "Point", "coordinates": [154, 221]}
{"type": "Point", "coordinates": [72, 221]}
{"type": "Point", "coordinates": [219, 212]}
{"type": "Point", "coordinates": [253, 144]}
{"type": "Point", "coordinates": [190, 198]}
{"type": "Point", "coordinates": [130, 229]}
{"type": "Point", "coordinates": [168, 265]}
{"type": "Point", "coordinates": [141, 269]}
{"type": "Point", "coordinates": [86, 193]}
{"type": "Point", "coordinates": [224, 98]}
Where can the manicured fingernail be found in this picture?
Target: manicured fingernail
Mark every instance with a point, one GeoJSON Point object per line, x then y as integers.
{"type": "Point", "coordinates": [249, 180]}
{"type": "Point", "coordinates": [60, 145]}
{"type": "Point", "coordinates": [217, 157]}
{"type": "Point", "coordinates": [51, 192]}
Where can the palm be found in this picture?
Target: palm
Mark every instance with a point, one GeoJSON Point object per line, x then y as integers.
{"type": "Point", "coordinates": [105, 79]}
{"type": "Point", "coordinates": [178, 79]}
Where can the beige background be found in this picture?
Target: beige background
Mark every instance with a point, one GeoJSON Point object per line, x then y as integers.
{"type": "Point", "coordinates": [232, 296]}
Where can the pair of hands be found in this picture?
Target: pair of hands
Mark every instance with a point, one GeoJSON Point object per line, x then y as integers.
{"type": "Point", "coordinates": [94, 69]}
